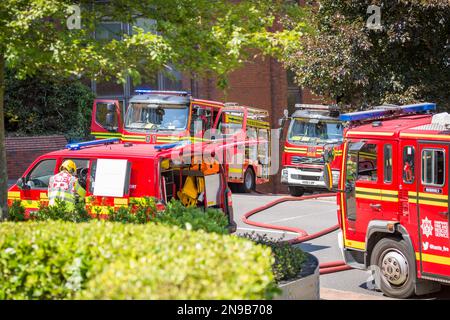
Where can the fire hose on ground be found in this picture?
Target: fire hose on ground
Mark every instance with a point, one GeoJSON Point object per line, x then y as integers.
{"type": "Point", "coordinates": [325, 268]}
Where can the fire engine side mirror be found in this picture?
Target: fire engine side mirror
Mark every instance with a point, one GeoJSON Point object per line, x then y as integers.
{"type": "Point", "coordinates": [110, 117]}
{"type": "Point", "coordinates": [21, 183]}
{"type": "Point", "coordinates": [328, 154]}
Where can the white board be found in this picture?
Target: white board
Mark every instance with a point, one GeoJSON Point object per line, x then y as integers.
{"type": "Point", "coordinates": [212, 187]}
{"type": "Point", "coordinates": [110, 178]}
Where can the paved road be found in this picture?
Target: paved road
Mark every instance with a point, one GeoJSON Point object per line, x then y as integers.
{"type": "Point", "coordinates": [312, 216]}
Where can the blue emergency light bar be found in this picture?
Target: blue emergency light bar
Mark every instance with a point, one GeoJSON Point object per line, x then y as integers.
{"type": "Point", "coordinates": [384, 111]}
{"type": "Point", "coordinates": [78, 146]}
{"type": "Point", "coordinates": [148, 91]}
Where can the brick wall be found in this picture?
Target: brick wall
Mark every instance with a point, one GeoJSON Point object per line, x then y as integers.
{"type": "Point", "coordinates": [22, 151]}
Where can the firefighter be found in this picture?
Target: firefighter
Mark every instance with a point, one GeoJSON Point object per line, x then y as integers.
{"type": "Point", "coordinates": [64, 186]}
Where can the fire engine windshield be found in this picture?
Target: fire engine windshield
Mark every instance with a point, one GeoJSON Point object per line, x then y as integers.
{"type": "Point", "coordinates": [314, 131]}
{"type": "Point", "coordinates": [144, 116]}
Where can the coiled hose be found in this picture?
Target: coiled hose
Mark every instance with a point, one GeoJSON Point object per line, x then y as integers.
{"type": "Point", "coordinates": [325, 268]}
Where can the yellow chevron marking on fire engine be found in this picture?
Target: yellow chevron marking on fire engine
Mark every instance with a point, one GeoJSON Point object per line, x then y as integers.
{"type": "Point", "coordinates": [421, 135]}
{"type": "Point", "coordinates": [290, 149]}
{"type": "Point", "coordinates": [104, 210]}
{"type": "Point", "coordinates": [370, 133]}
{"type": "Point", "coordinates": [433, 258]}
{"type": "Point", "coordinates": [355, 244]}
{"type": "Point", "coordinates": [250, 122]}
{"type": "Point", "coordinates": [120, 201]}
{"type": "Point", "coordinates": [429, 199]}
{"type": "Point", "coordinates": [31, 204]}
{"type": "Point", "coordinates": [13, 195]}
{"type": "Point", "coordinates": [109, 134]}
{"type": "Point", "coordinates": [377, 194]}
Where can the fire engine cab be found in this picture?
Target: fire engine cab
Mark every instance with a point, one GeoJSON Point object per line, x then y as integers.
{"type": "Point", "coordinates": [118, 174]}
{"type": "Point", "coordinates": [154, 117]}
{"type": "Point", "coordinates": [311, 128]}
{"type": "Point", "coordinates": [393, 197]}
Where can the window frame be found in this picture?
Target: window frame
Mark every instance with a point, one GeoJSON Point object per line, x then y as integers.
{"type": "Point", "coordinates": [391, 166]}
{"type": "Point", "coordinates": [27, 177]}
{"type": "Point", "coordinates": [414, 164]}
{"type": "Point", "coordinates": [433, 168]}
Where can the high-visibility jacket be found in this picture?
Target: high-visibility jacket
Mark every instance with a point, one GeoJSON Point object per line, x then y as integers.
{"type": "Point", "coordinates": [64, 186]}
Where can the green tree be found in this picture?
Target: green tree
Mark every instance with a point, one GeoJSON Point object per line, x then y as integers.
{"type": "Point", "coordinates": [193, 35]}
{"type": "Point", "coordinates": [406, 60]}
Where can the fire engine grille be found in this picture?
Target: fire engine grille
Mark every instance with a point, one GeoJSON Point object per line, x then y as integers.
{"type": "Point", "coordinates": [301, 177]}
{"type": "Point", "coordinates": [306, 160]}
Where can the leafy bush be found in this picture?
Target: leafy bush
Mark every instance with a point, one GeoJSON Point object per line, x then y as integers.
{"type": "Point", "coordinates": [288, 260]}
{"type": "Point", "coordinates": [46, 105]}
{"type": "Point", "coordinates": [138, 212]}
{"type": "Point", "coordinates": [104, 260]}
{"type": "Point", "coordinates": [60, 211]}
{"type": "Point", "coordinates": [16, 212]}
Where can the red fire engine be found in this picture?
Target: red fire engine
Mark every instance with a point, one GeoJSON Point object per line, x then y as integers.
{"type": "Point", "coordinates": [117, 174]}
{"type": "Point", "coordinates": [310, 129]}
{"type": "Point", "coordinates": [161, 117]}
{"type": "Point", "coordinates": [393, 197]}
{"type": "Point", "coordinates": [246, 132]}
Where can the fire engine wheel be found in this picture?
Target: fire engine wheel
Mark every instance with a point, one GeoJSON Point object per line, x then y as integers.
{"type": "Point", "coordinates": [296, 191]}
{"type": "Point", "coordinates": [249, 181]}
{"type": "Point", "coordinates": [396, 267]}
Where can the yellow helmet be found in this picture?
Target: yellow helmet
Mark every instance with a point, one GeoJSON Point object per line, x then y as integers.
{"type": "Point", "coordinates": [68, 165]}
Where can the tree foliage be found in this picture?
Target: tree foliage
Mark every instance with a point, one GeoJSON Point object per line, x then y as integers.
{"type": "Point", "coordinates": [43, 105]}
{"type": "Point", "coordinates": [192, 35]}
{"type": "Point", "coordinates": [407, 60]}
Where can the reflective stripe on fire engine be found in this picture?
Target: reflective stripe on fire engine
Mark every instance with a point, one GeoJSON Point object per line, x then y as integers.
{"type": "Point", "coordinates": [235, 170]}
{"type": "Point", "coordinates": [369, 133]}
{"type": "Point", "coordinates": [433, 258]}
{"type": "Point", "coordinates": [421, 135]}
{"type": "Point", "coordinates": [13, 195]}
{"type": "Point", "coordinates": [377, 194]}
{"type": "Point", "coordinates": [429, 199]}
{"type": "Point", "coordinates": [355, 244]}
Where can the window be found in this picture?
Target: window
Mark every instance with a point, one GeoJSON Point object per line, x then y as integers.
{"type": "Point", "coordinates": [387, 160]}
{"type": "Point", "coordinates": [408, 164]}
{"type": "Point", "coordinates": [433, 167]}
{"type": "Point", "coordinates": [367, 163]}
{"type": "Point", "coordinates": [201, 119]}
{"type": "Point", "coordinates": [106, 116]}
{"type": "Point", "coordinates": [39, 177]}
{"type": "Point", "coordinates": [82, 170]}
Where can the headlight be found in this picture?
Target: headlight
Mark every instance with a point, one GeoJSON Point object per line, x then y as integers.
{"type": "Point", "coordinates": [284, 175]}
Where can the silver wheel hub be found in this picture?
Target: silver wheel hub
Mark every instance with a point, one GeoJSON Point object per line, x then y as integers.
{"type": "Point", "coordinates": [248, 181]}
{"type": "Point", "coordinates": [394, 267]}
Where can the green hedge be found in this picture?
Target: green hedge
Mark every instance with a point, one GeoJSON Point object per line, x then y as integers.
{"type": "Point", "coordinates": [175, 214]}
{"type": "Point", "coordinates": [104, 260]}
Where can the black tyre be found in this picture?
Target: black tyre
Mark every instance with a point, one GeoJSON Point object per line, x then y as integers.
{"type": "Point", "coordinates": [249, 183]}
{"type": "Point", "coordinates": [396, 274]}
{"type": "Point", "coordinates": [296, 191]}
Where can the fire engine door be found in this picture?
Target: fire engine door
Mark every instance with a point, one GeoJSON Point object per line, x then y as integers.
{"type": "Point", "coordinates": [432, 197]}
{"type": "Point", "coordinates": [363, 188]}
{"type": "Point", "coordinates": [106, 121]}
